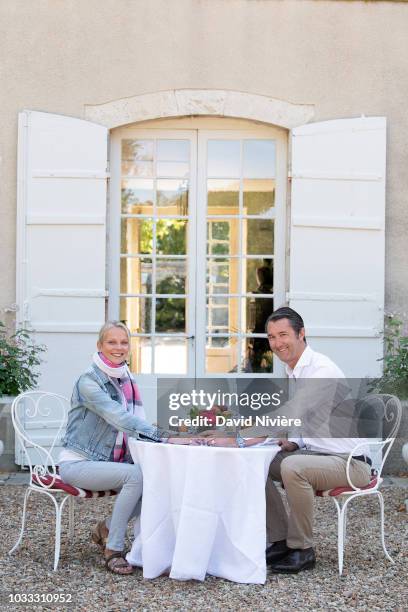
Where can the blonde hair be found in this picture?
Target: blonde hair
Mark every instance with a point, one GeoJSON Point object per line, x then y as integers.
{"type": "Point", "coordinates": [110, 325]}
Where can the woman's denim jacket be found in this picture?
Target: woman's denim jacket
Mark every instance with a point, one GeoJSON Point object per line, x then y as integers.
{"type": "Point", "coordinates": [96, 416]}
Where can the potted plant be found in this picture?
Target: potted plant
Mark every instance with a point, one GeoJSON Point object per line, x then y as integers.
{"type": "Point", "coordinates": [395, 381]}
{"type": "Point", "coordinates": [19, 361]}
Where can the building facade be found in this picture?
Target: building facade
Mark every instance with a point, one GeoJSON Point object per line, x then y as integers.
{"type": "Point", "coordinates": [188, 166]}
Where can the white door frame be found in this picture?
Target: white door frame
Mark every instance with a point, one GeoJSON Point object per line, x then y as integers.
{"type": "Point", "coordinates": [197, 307]}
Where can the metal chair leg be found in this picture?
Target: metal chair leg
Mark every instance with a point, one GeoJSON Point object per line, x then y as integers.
{"type": "Point", "coordinates": [71, 518]}
{"type": "Point", "coordinates": [381, 502]}
{"type": "Point", "coordinates": [20, 537]}
{"type": "Point", "coordinates": [340, 539]}
{"type": "Point", "coordinates": [58, 515]}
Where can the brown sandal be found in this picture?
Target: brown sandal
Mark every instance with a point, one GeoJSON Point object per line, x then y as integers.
{"type": "Point", "coordinates": [98, 537]}
{"type": "Point", "coordinates": [117, 564]}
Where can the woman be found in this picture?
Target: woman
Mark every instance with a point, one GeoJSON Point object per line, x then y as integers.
{"type": "Point", "coordinates": [105, 410]}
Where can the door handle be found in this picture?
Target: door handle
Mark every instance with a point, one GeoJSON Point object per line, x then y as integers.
{"type": "Point", "coordinates": [190, 337]}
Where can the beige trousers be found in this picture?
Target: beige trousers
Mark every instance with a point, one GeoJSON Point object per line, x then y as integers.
{"type": "Point", "coordinates": [302, 473]}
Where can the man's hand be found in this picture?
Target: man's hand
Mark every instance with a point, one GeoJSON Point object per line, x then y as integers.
{"type": "Point", "coordinates": [287, 446]}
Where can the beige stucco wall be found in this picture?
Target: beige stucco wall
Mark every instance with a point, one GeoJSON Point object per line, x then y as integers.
{"type": "Point", "coordinates": [344, 58]}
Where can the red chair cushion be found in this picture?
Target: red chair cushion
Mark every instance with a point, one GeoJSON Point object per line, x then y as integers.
{"type": "Point", "coordinates": [59, 485]}
{"type": "Point", "coordinates": [341, 490]}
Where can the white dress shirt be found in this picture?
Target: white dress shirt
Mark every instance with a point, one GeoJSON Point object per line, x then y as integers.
{"type": "Point", "coordinates": [315, 365]}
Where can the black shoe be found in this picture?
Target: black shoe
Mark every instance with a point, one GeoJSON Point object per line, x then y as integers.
{"type": "Point", "coordinates": [276, 551]}
{"type": "Point", "coordinates": [295, 561]}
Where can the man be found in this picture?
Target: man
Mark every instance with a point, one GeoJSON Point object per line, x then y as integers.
{"type": "Point", "coordinates": [306, 464]}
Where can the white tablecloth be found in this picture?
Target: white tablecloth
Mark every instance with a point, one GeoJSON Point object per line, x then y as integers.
{"type": "Point", "coordinates": [203, 511]}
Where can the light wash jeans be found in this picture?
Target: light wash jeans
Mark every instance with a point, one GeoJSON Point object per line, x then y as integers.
{"type": "Point", "coordinates": [126, 478]}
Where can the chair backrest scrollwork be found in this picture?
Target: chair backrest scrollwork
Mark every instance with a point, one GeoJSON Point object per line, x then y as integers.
{"type": "Point", "coordinates": [27, 409]}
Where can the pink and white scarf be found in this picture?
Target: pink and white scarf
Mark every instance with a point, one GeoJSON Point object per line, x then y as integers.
{"type": "Point", "coordinates": [128, 392]}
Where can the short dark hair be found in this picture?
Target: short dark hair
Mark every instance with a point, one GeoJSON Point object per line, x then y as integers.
{"type": "Point", "coordinates": [294, 318]}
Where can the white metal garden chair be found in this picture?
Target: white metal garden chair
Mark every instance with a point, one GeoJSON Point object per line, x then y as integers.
{"type": "Point", "coordinates": [389, 410]}
{"type": "Point", "coordinates": [44, 479]}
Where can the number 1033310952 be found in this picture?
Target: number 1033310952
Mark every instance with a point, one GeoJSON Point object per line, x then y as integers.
{"type": "Point", "coordinates": [17, 598]}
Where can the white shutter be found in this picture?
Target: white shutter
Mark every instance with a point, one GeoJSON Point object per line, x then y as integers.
{"type": "Point", "coordinates": [61, 242]}
{"type": "Point", "coordinates": [337, 239]}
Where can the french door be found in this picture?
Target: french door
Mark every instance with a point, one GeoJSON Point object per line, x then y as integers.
{"type": "Point", "coordinates": [197, 227]}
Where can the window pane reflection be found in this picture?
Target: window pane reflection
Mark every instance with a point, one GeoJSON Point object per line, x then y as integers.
{"type": "Point", "coordinates": [141, 355]}
{"type": "Point", "coordinates": [259, 159]}
{"type": "Point", "coordinates": [222, 315]}
{"type": "Point", "coordinates": [255, 312]}
{"type": "Point", "coordinates": [170, 355]}
{"type": "Point", "coordinates": [259, 196]}
{"type": "Point", "coordinates": [171, 275]}
{"type": "Point", "coordinates": [223, 158]}
{"type": "Point", "coordinates": [135, 275]}
{"type": "Point", "coordinates": [170, 315]}
{"type": "Point", "coordinates": [171, 237]}
{"type": "Point", "coordinates": [258, 236]}
{"type": "Point", "coordinates": [258, 275]}
{"type": "Point", "coordinates": [165, 168]}
{"type": "Point", "coordinates": [173, 150]}
{"type": "Point", "coordinates": [222, 197]}
{"type": "Point", "coordinates": [222, 237]}
{"type": "Point", "coordinates": [222, 276]}
{"type": "Point", "coordinates": [137, 150]}
{"type": "Point", "coordinates": [172, 197]}
{"type": "Point", "coordinates": [137, 236]}
{"type": "Point", "coordinates": [136, 312]}
{"type": "Point", "coordinates": [221, 355]}
{"type": "Point", "coordinates": [142, 169]}
{"type": "Point", "coordinates": [256, 355]}
{"type": "Point", "coordinates": [137, 196]}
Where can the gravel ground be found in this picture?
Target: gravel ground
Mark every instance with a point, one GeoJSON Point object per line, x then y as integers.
{"type": "Point", "coordinates": [369, 581]}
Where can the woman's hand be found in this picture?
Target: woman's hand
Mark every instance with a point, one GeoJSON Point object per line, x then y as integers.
{"type": "Point", "coordinates": [216, 441]}
{"type": "Point", "coordinates": [187, 441]}
{"type": "Point", "coordinates": [178, 440]}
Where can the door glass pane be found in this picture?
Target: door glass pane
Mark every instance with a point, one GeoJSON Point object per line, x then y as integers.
{"type": "Point", "coordinates": [222, 276]}
{"type": "Point", "coordinates": [172, 197]}
{"type": "Point", "coordinates": [137, 150]}
{"type": "Point", "coordinates": [135, 275]}
{"type": "Point", "coordinates": [222, 315]}
{"type": "Point", "coordinates": [223, 158]}
{"type": "Point", "coordinates": [222, 197]}
{"type": "Point", "coordinates": [171, 237]}
{"type": "Point", "coordinates": [256, 356]}
{"type": "Point", "coordinates": [254, 314]}
{"type": "Point", "coordinates": [178, 169]}
{"type": "Point", "coordinates": [141, 355]}
{"type": "Point", "coordinates": [222, 237]}
{"type": "Point", "coordinates": [173, 150]}
{"type": "Point", "coordinates": [171, 275]}
{"type": "Point", "coordinates": [259, 159]}
{"type": "Point", "coordinates": [136, 312]}
{"type": "Point", "coordinates": [137, 196]}
{"type": "Point", "coordinates": [141, 169]}
{"type": "Point", "coordinates": [170, 315]}
{"type": "Point", "coordinates": [170, 355]}
{"type": "Point", "coordinates": [258, 236]}
{"type": "Point", "coordinates": [258, 196]}
{"type": "Point", "coordinates": [257, 275]}
{"type": "Point", "coordinates": [221, 355]}
{"type": "Point", "coordinates": [136, 236]}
